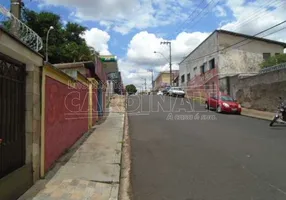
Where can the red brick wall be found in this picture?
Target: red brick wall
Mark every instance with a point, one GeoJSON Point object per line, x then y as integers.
{"type": "Point", "coordinates": [66, 118]}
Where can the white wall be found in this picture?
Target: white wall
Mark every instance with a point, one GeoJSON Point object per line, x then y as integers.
{"type": "Point", "coordinates": [193, 60]}
{"type": "Point", "coordinates": [254, 46]}
{"type": "Point", "coordinates": [237, 61]}
{"type": "Point", "coordinates": [244, 57]}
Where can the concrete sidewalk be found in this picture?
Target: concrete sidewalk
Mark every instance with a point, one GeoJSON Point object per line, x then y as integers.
{"type": "Point", "coordinates": [257, 114]}
{"type": "Point", "coordinates": [90, 171]}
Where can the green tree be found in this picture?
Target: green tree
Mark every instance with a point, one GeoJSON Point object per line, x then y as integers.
{"type": "Point", "coordinates": [274, 60]}
{"type": "Point", "coordinates": [73, 32]}
{"type": "Point", "coordinates": [65, 42]}
{"type": "Point", "coordinates": [131, 89]}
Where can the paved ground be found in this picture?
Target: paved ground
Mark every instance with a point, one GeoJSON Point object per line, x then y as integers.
{"type": "Point", "coordinates": [91, 171]}
{"type": "Point", "coordinates": [203, 155]}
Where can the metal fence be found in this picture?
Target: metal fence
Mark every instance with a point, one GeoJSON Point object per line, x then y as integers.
{"type": "Point", "coordinates": [273, 68]}
{"type": "Point", "coordinates": [21, 31]}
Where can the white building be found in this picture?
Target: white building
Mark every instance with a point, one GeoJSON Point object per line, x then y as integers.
{"type": "Point", "coordinates": [222, 54]}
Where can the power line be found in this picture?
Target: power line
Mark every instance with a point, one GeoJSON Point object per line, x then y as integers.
{"type": "Point", "coordinates": [264, 36]}
{"type": "Point", "coordinates": [189, 17]}
{"type": "Point", "coordinates": [253, 36]}
{"type": "Point", "coordinates": [257, 15]}
{"type": "Point", "coordinates": [207, 5]}
{"type": "Point", "coordinates": [204, 14]}
{"type": "Point", "coordinates": [253, 17]}
{"type": "Point", "coordinates": [255, 12]}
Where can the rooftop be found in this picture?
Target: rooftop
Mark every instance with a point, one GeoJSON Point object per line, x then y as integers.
{"type": "Point", "coordinates": [283, 44]}
{"type": "Point", "coordinates": [72, 65]}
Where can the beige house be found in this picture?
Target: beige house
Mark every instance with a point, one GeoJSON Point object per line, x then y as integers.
{"type": "Point", "coordinates": [163, 79]}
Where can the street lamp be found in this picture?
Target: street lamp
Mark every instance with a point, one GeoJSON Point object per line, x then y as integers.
{"type": "Point", "coordinates": [162, 55]}
{"type": "Point", "coordinates": [47, 42]}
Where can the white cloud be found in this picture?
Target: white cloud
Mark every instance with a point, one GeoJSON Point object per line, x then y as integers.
{"type": "Point", "coordinates": [97, 39]}
{"type": "Point", "coordinates": [140, 55]}
{"type": "Point", "coordinates": [220, 11]}
{"type": "Point", "coordinates": [166, 67]}
{"type": "Point", "coordinates": [142, 46]}
{"type": "Point", "coordinates": [125, 15]}
{"type": "Point", "coordinates": [134, 74]}
{"type": "Point", "coordinates": [106, 24]}
{"type": "Point", "coordinates": [256, 16]}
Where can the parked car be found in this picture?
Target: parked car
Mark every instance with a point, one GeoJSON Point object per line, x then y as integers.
{"type": "Point", "coordinates": [223, 103]}
{"type": "Point", "coordinates": [176, 92]}
{"type": "Point", "coordinates": [165, 90]}
{"type": "Point", "coordinates": [160, 93]}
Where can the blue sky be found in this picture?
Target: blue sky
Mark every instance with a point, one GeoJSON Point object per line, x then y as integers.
{"type": "Point", "coordinates": [132, 29]}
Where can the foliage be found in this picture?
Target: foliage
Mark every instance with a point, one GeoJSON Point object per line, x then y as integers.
{"type": "Point", "coordinates": [274, 60]}
{"type": "Point", "coordinates": [65, 43]}
{"type": "Point", "coordinates": [131, 89]}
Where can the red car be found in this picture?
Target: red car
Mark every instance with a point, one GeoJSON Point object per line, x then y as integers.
{"type": "Point", "coordinates": [223, 103]}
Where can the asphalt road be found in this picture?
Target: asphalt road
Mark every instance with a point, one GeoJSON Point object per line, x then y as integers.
{"type": "Point", "coordinates": [193, 154]}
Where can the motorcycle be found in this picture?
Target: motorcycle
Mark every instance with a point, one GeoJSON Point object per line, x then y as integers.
{"type": "Point", "coordinates": [280, 116]}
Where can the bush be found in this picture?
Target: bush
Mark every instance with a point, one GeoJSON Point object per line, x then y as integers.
{"type": "Point", "coordinates": [274, 60]}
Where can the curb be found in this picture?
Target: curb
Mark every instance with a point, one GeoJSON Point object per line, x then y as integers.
{"type": "Point", "coordinates": [125, 179]}
{"type": "Point", "coordinates": [256, 116]}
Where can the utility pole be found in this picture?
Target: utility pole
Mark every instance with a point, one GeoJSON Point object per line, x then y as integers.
{"type": "Point", "coordinates": [170, 59]}
{"type": "Point", "coordinates": [152, 80]}
{"type": "Point", "coordinates": [16, 6]}
{"type": "Point", "coordinates": [145, 83]}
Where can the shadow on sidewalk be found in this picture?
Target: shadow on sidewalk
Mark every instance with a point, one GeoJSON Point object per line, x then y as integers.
{"type": "Point", "coordinates": [66, 156]}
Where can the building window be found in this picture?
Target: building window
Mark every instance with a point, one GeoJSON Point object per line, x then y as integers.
{"type": "Point", "coordinates": [202, 69]}
{"type": "Point", "coordinates": [182, 78]}
{"type": "Point", "coordinates": [188, 77]}
{"type": "Point", "coordinates": [212, 63]}
{"type": "Point", "coordinates": [276, 54]}
{"type": "Point", "coordinates": [195, 71]}
{"type": "Point", "coordinates": [266, 56]}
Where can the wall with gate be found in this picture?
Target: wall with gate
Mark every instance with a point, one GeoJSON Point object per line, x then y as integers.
{"type": "Point", "coordinates": [28, 169]}
{"type": "Point", "coordinates": [66, 116]}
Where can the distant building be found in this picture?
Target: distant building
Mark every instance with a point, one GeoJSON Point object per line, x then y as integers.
{"type": "Point", "coordinates": [176, 81]}
{"type": "Point", "coordinates": [206, 67]}
{"type": "Point", "coordinates": [110, 67]}
{"type": "Point", "coordinates": [109, 63]}
{"type": "Point", "coordinates": [163, 79]}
